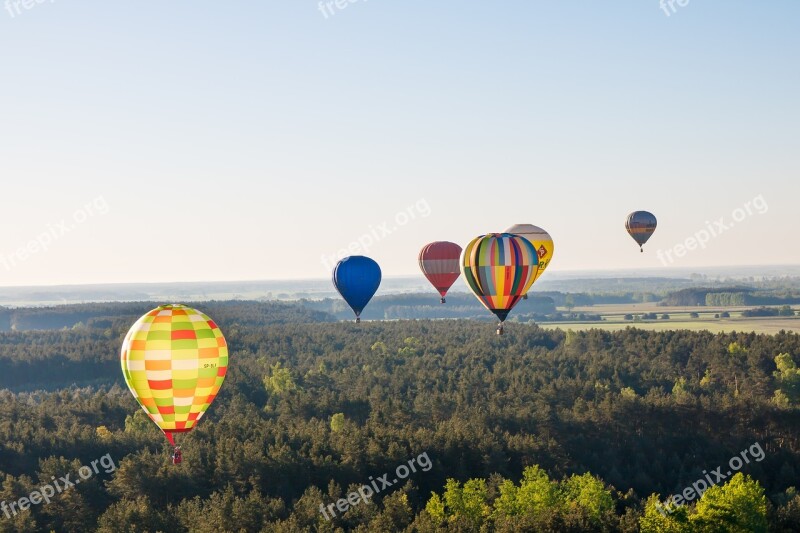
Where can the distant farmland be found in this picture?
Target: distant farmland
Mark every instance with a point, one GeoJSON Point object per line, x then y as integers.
{"type": "Point", "coordinates": [614, 319]}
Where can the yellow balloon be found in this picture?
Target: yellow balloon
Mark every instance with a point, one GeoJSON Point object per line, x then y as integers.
{"type": "Point", "coordinates": [540, 239]}
{"type": "Point", "coordinates": [174, 360]}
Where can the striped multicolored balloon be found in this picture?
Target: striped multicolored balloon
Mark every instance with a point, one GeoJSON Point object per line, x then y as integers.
{"type": "Point", "coordinates": [174, 360]}
{"type": "Point", "coordinates": [499, 268]}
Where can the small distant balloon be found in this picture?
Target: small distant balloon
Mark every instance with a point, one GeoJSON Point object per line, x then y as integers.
{"type": "Point", "coordinates": [640, 226]}
{"type": "Point", "coordinates": [440, 261]}
{"type": "Point", "coordinates": [357, 279]}
{"type": "Point", "coordinates": [542, 242]}
{"type": "Point", "coordinates": [499, 268]}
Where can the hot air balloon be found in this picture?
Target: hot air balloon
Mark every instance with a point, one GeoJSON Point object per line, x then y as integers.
{"type": "Point", "coordinates": [357, 278]}
{"type": "Point", "coordinates": [174, 360]}
{"type": "Point", "coordinates": [541, 240]}
{"type": "Point", "coordinates": [499, 268]}
{"type": "Point", "coordinates": [440, 262]}
{"type": "Point", "coordinates": [640, 226]}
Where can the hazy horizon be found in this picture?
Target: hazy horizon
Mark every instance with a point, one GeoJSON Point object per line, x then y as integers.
{"type": "Point", "coordinates": [319, 288]}
{"type": "Point", "coordinates": [722, 271]}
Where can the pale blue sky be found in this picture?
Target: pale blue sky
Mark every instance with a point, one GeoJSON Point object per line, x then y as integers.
{"type": "Point", "coordinates": [224, 141]}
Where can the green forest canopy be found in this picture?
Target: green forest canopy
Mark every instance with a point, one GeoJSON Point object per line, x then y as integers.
{"type": "Point", "coordinates": [311, 410]}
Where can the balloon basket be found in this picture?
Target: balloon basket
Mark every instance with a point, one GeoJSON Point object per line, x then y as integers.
{"type": "Point", "coordinates": [177, 455]}
{"type": "Point", "coordinates": [500, 330]}
{"type": "Point", "coordinates": [443, 300]}
{"type": "Point", "coordinates": [358, 320]}
{"type": "Point", "coordinates": [524, 296]}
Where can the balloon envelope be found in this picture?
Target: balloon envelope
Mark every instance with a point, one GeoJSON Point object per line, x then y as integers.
{"type": "Point", "coordinates": [499, 268]}
{"type": "Point", "coordinates": [441, 263]}
{"type": "Point", "coordinates": [174, 360]}
{"type": "Point", "coordinates": [541, 241]}
{"type": "Point", "coordinates": [357, 278]}
{"type": "Point", "coordinates": [640, 226]}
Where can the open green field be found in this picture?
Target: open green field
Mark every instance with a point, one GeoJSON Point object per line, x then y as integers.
{"type": "Point", "coordinates": [614, 319]}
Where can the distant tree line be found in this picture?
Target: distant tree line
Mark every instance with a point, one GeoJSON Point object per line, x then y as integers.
{"type": "Point", "coordinates": [769, 311]}
{"type": "Point", "coordinates": [728, 296]}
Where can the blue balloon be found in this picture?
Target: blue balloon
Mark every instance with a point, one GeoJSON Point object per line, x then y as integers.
{"type": "Point", "coordinates": [357, 278]}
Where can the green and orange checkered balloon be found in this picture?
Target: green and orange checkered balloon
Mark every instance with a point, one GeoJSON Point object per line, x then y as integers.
{"type": "Point", "coordinates": [174, 360]}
